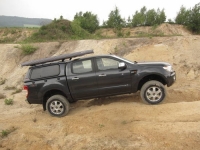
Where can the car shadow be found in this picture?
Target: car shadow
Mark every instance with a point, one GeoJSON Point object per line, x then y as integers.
{"type": "Point", "coordinates": [127, 98]}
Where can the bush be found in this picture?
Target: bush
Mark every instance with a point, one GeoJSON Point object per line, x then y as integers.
{"type": "Point", "coordinates": [28, 49]}
{"type": "Point", "coordinates": [8, 101]}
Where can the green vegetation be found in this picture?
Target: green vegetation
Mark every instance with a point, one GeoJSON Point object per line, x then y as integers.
{"type": "Point", "coordinates": [190, 18]}
{"type": "Point", "coordinates": [5, 133]}
{"type": "Point", "coordinates": [115, 20]}
{"type": "Point", "coordinates": [101, 125]}
{"type": "Point", "coordinates": [124, 122]}
{"type": "Point", "coordinates": [28, 49]}
{"type": "Point", "coordinates": [13, 34]}
{"type": "Point", "coordinates": [86, 26]}
{"type": "Point", "coordinates": [59, 30]}
{"type": "Point", "coordinates": [9, 88]}
{"type": "Point", "coordinates": [8, 101]}
{"type": "Point", "coordinates": [17, 91]}
{"type": "Point", "coordinates": [148, 17]}
{"type": "Point", "coordinates": [87, 21]}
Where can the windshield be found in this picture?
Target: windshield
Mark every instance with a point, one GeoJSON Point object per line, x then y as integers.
{"type": "Point", "coordinates": [128, 61]}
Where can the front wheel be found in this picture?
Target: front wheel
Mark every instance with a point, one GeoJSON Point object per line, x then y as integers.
{"type": "Point", "coordinates": [57, 105]}
{"type": "Point", "coordinates": [153, 92]}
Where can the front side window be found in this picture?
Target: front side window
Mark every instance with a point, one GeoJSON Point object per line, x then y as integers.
{"type": "Point", "coordinates": [82, 66]}
{"type": "Point", "coordinates": [107, 63]}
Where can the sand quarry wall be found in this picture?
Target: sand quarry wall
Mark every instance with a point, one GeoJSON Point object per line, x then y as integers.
{"type": "Point", "coordinates": [183, 52]}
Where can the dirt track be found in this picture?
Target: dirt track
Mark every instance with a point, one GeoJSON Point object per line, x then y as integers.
{"type": "Point", "coordinates": [120, 122]}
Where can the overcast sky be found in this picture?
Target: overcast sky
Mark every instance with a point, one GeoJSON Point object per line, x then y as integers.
{"type": "Point", "coordinates": [67, 8]}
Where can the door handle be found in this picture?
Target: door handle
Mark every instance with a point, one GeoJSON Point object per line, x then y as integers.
{"type": "Point", "coordinates": [102, 75]}
{"type": "Point", "coordinates": [75, 78]}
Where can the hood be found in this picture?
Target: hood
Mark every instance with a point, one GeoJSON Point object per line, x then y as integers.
{"type": "Point", "coordinates": [151, 63]}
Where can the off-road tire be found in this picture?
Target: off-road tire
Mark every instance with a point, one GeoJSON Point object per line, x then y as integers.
{"type": "Point", "coordinates": [57, 105]}
{"type": "Point", "coordinates": [153, 92]}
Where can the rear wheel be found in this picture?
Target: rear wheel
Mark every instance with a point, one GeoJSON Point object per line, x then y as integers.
{"type": "Point", "coordinates": [57, 105]}
{"type": "Point", "coordinates": [153, 92]}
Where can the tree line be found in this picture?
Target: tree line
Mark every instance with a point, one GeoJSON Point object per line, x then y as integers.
{"type": "Point", "coordinates": [188, 17]}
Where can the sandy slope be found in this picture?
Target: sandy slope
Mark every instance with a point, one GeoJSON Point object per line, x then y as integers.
{"type": "Point", "coordinates": [120, 122]}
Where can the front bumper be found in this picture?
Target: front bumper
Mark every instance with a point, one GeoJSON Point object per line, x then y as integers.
{"type": "Point", "coordinates": [171, 78]}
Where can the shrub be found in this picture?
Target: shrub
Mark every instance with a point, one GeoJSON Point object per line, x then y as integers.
{"type": "Point", "coordinates": [128, 33]}
{"type": "Point", "coordinates": [28, 49]}
{"type": "Point", "coordinates": [4, 133]}
{"type": "Point", "coordinates": [120, 33]}
{"type": "Point", "coordinates": [8, 101]}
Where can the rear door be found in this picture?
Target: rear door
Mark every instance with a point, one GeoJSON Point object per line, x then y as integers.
{"type": "Point", "coordinates": [110, 79]}
{"type": "Point", "coordinates": [82, 79]}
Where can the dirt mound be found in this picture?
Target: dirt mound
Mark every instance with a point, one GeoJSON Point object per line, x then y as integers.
{"type": "Point", "coordinates": [169, 29]}
{"type": "Point", "coordinates": [13, 35]}
{"type": "Point", "coordinates": [164, 29]}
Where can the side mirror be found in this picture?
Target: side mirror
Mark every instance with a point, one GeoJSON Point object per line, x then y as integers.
{"type": "Point", "coordinates": [122, 65]}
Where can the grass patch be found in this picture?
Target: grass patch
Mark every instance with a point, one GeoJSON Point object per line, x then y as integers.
{"type": "Point", "coordinates": [28, 49]}
{"type": "Point", "coordinates": [9, 88]}
{"type": "Point", "coordinates": [101, 125]}
{"type": "Point", "coordinates": [124, 122]}
{"type": "Point", "coordinates": [8, 101]}
{"type": "Point", "coordinates": [17, 91]}
{"type": "Point", "coordinates": [5, 133]}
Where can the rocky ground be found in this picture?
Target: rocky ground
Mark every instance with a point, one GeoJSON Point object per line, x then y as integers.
{"type": "Point", "coordinates": [119, 122]}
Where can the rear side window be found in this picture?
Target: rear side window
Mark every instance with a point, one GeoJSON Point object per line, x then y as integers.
{"type": "Point", "coordinates": [45, 72]}
{"type": "Point", "coordinates": [82, 66]}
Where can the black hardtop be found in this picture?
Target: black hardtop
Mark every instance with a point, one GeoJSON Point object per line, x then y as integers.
{"type": "Point", "coordinates": [56, 58]}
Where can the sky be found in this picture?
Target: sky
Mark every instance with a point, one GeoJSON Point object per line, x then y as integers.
{"type": "Point", "coordinates": [68, 8]}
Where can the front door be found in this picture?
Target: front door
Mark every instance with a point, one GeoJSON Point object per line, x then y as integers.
{"type": "Point", "coordinates": [110, 79]}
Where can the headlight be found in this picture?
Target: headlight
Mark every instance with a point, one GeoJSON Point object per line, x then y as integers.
{"type": "Point", "coordinates": [168, 68]}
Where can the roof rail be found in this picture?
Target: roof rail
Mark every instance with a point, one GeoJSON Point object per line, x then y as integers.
{"type": "Point", "coordinates": [56, 58]}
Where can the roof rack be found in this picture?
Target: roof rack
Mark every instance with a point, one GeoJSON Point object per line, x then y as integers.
{"type": "Point", "coordinates": [56, 58]}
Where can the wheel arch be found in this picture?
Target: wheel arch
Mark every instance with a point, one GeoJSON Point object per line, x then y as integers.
{"type": "Point", "coordinates": [147, 78]}
{"type": "Point", "coordinates": [50, 93]}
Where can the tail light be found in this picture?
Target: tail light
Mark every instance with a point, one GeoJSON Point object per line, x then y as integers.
{"type": "Point", "coordinates": [25, 89]}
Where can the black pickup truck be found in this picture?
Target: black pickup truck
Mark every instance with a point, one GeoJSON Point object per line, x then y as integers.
{"type": "Point", "coordinates": [55, 82]}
